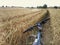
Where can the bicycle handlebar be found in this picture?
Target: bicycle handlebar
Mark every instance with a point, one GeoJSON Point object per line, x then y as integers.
{"type": "Point", "coordinates": [29, 29]}
{"type": "Point", "coordinates": [37, 24]}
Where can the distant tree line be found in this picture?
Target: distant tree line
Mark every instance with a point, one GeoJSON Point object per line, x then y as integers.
{"type": "Point", "coordinates": [55, 7]}
{"type": "Point", "coordinates": [44, 6]}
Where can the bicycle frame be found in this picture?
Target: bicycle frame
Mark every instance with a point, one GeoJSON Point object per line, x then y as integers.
{"type": "Point", "coordinates": [37, 41]}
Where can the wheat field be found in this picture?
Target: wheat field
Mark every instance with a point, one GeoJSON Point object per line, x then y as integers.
{"type": "Point", "coordinates": [14, 21]}
{"type": "Point", "coordinates": [51, 29]}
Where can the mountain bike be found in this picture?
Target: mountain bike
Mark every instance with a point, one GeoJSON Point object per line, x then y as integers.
{"type": "Point", "coordinates": [38, 36]}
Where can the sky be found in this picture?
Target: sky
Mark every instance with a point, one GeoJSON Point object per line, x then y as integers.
{"type": "Point", "coordinates": [29, 3]}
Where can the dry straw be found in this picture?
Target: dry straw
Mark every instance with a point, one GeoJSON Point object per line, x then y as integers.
{"type": "Point", "coordinates": [12, 30]}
